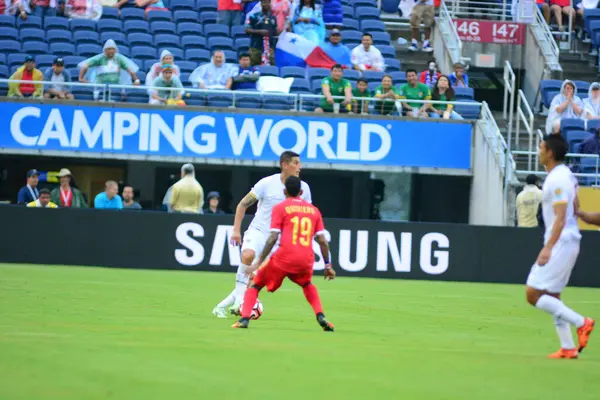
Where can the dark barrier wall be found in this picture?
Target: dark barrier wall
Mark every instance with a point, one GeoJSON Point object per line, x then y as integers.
{"type": "Point", "coordinates": [359, 248]}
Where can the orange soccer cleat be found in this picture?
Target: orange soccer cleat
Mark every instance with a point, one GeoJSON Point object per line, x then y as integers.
{"type": "Point", "coordinates": [584, 332]}
{"type": "Point", "coordinates": [565, 353]}
{"type": "Point", "coordinates": [241, 324]}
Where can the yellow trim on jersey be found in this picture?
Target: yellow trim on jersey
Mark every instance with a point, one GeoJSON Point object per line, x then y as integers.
{"type": "Point", "coordinates": [560, 202]}
{"type": "Point", "coordinates": [253, 195]}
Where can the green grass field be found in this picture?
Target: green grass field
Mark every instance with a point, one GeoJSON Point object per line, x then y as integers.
{"type": "Point", "coordinates": [95, 333]}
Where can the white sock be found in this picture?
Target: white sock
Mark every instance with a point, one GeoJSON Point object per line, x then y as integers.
{"type": "Point", "coordinates": [241, 283]}
{"type": "Point", "coordinates": [563, 329]}
{"type": "Point", "coordinates": [558, 309]}
{"type": "Point", "coordinates": [227, 301]}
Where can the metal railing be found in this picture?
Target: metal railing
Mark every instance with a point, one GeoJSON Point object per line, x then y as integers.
{"type": "Point", "coordinates": [93, 86]}
{"type": "Point", "coordinates": [480, 9]}
{"type": "Point", "coordinates": [545, 40]}
{"type": "Point", "coordinates": [494, 138]}
{"type": "Point", "coordinates": [595, 176]}
{"type": "Point", "coordinates": [525, 116]}
{"type": "Point", "coordinates": [450, 36]}
{"type": "Point", "coordinates": [509, 78]}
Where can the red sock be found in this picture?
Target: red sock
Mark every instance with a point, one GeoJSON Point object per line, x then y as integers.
{"type": "Point", "coordinates": [249, 301]}
{"type": "Point", "coordinates": [312, 296]}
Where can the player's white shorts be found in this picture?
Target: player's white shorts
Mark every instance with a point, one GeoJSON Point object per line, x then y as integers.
{"type": "Point", "coordinates": [554, 276]}
{"type": "Point", "coordinates": [254, 240]}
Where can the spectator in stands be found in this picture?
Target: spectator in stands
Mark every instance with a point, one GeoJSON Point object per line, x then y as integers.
{"type": "Point", "coordinates": [591, 105]}
{"type": "Point", "coordinates": [25, 8]}
{"type": "Point", "coordinates": [43, 201]}
{"type": "Point", "coordinates": [109, 67]}
{"type": "Point", "coordinates": [128, 202]}
{"type": "Point", "coordinates": [114, 3]}
{"type": "Point", "coordinates": [28, 72]}
{"type": "Point", "coordinates": [560, 8]}
{"type": "Point", "coordinates": [67, 195]}
{"type": "Point", "coordinates": [151, 5]}
{"type": "Point", "coordinates": [84, 9]}
{"type": "Point", "coordinates": [389, 96]}
{"type": "Point", "coordinates": [423, 11]}
{"type": "Point", "coordinates": [459, 78]}
{"type": "Point", "coordinates": [187, 195]}
{"type": "Point", "coordinates": [308, 22]}
{"type": "Point", "coordinates": [245, 76]}
{"type": "Point", "coordinates": [335, 85]}
{"type": "Point", "coordinates": [161, 93]}
{"type": "Point", "coordinates": [360, 95]}
{"type": "Point", "coordinates": [430, 75]}
{"type": "Point", "coordinates": [166, 57]}
{"type": "Point", "coordinates": [566, 104]}
{"type": "Point", "coordinates": [336, 50]}
{"type": "Point", "coordinates": [528, 202]}
{"type": "Point", "coordinates": [262, 28]}
{"type": "Point", "coordinates": [230, 12]}
{"type": "Point", "coordinates": [442, 91]}
{"type": "Point", "coordinates": [50, 8]}
{"type": "Point", "coordinates": [415, 90]}
{"type": "Point", "coordinates": [281, 11]}
{"type": "Point", "coordinates": [29, 192]}
{"type": "Point", "coordinates": [366, 57]}
{"type": "Point", "coordinates": [213, 203]}
{"type": "Point", "coordinates": [58, 75]}
{"type": "Point", "coordinates": [214, 75]}
{"type": "Point", "coordinates": [591, 145]}
{"type": "Point", "coordinates": [544, 8]}
{"type": "Point", "coordinates": [109, 198]}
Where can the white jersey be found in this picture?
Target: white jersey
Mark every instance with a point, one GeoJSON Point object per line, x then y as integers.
{"type": "Point", "coordinates": [560, 186]}
{"type": "Point", "coordinates": [269, 192]}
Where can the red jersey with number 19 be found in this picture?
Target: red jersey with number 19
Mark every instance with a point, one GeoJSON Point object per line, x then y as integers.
{"type": "Point", "coordinates": [298, 221]}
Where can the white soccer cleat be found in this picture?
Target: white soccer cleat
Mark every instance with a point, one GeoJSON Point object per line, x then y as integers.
{"type": "Point", "coordinates": [219, 312]}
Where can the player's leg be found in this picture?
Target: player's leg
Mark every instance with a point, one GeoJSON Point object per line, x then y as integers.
{"type": "Point", "coordinates": [312, 296]}
{"type": "Point", "coordinates": [253, 244]}
{"type": "Point", "coordinates": [220, 310]}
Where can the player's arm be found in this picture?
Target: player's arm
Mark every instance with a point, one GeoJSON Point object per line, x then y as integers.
{"type": "Point", "coordinates": [240, 212]}
{"type": "Point", "coordinates": [329, 271]}
{"type": "Point", "coordinates": [590, 217]}
{"type": "Point", "coordinates": [268, 247]}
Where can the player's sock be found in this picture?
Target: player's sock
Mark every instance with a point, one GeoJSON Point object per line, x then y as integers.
{"type": "Point", "coordinates": [227, 301]}
{"type": "Point", "coordinates": [563, 329]}
{"type": "Point", "coordinates": [241, 283]}
{"type": "Point", "coordinates": [312, 296]}
{"type": "Point", "coordinates": [558, 309]}
{"type": "Point", "coordinates": [249, 301]}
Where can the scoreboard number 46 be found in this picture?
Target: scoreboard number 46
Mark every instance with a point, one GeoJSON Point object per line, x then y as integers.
{"type": "Point", "coordinates": [489, 31]}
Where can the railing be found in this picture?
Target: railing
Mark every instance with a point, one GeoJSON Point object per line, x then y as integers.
{"type": "Point", "coordinates": [509, 78]}
{"type": "Point", "coordinates": [525, 116]}
{"type": "Point", "coordinates": [493, 136]}
{"type": "Point", "coordinates": [595, 176]}
{"type": "Point", "coordinates": [97, 87]}
{"type": "Point", "coordinates": [480, 9]}
{"type": "Point", "coordinates": [545, 41]}
{"type": "Point", "coordinates": [451, 39]}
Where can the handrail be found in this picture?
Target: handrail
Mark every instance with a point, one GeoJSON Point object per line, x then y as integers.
{"type": "Point", "coordinates": [470, 9]}
{"type": "Point", "coordinates": [545, 40]}
{"type": "Point", "coordinates": [527, 120]}
{"type": "Point", "coordinates": [450, 36]}
{"type": "Point", "coordinates": [595, 175]}
{"type": "Point", "coordinates": [509, 78]}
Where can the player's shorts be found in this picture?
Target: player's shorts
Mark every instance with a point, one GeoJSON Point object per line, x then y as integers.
{"type": "Point", "coordinates": [554, 276]}
{"type": "Point", "coordinates": [271, 275]}
{"type": "Point", "coordinates": [254, 240]}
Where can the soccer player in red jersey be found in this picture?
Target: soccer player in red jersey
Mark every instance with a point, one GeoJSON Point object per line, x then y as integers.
{"type": "Point", "coordinates": [298, 222]}
{"type": "Point", "coordinates": [592, 218]}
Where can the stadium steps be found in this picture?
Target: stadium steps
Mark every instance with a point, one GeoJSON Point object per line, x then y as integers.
{"type": "Point", "coordinates": [579, 66]}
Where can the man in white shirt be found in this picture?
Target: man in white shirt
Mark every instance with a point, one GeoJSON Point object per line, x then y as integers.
{"type": "Point", "coordinates": [528, 202]}
{"type": "Point", "coordinates": [423, 11]}
{"type": "Point", "coordinates": [366, 57]}
{"type": "Point", "coordinates": [214, 75]}
{"type": "Point", "coordinates": [552, 270]}
{"type": "Point", "coordinates": [268, 192]}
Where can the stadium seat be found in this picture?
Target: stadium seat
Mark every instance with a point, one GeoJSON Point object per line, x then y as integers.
{"type": "Point", "coordinates": [35, 47]}
{"type": "Point", "coordinates": [35, 34]}
{"type": "Point", "coordinates": [365, 3]}
{"type": "Point", "coordinates": [59, 35]}
{"type": "Point", "coordinates": [166, 41]}
{"type": "Point", "coordinates": [350, 25]}
{"type": "Point", "coordinates": [268, 70]}
{"type": "Point", "coordinates": [2, 59]}
{"type": "Point", "coordinates": [31, 22]}
{"type": "Point", "coordinates": [182, 16]}
{"type": "Point", "coordinates": [392, 64]}
{"type": "Point", "coordinates": [185, 79]}
{"type": "Point", "coordinates": [571, 124]}
{"type": "Point", "coordinates": [7, 21]}
{"type": "Point", "coordinates": [367, 13]}
{"type": "Point", "coordinates": [463, 93]}
{"type": "Point", "coordinates": [219, 99]}
{"type": "Point", "coordinates": [194, 98]}
{"type": "Point", "coordinates": [159, 27]}
{"type": "Point", "coordinates": [575, 137]}
{"type": "Point", "coordinates": [177, 53]}
{"type": "Point", "coordinates": [398, 77]}
{"type": "Point", "coordinates": [88, 50]}
{"type": "Point", "coordinates": [62, 49]}
{"type": "Point", "coordinates": [189, 28]}
{"type": "Point", "coordinates": [590, 15]}
{"type": "Point", "coordinates": [220, 43]}
{"type": "Point", "coordinates": [216, 30]}
{"type": "Point", "coordinates": [159, 15]}
{"type": "Point", "coordinates": [15, 59]}
{"type": "Point", "coordinates": [74, 74]}
{"type": "Point", "coordinates": [56, 23]}
{"type": "Point", "coordinates": [351, 36]}
{"type": "Point", "coordinates": [72, 61]}
{"type": "Point", "coordinates": [381, 38]}
{"type": "Point", "coordinates": [182, 5]}
{"type": "Point", "coordinates": [348, 11]}
{"type": "Point", "coordinates": [317, 73]}
{"type": "Point", "coordinates": [373, 76]}
{"type": "Point", "coordinates": [468, 111]}
{"type": "Point", "coordinates": [186, 66]}
{"type": "Point", "coordinates": [243, 100]}
{"type": "Point", "coordinates": [193, 42]}
{"type": "Point", "coordinates": [109, 25]}
{"type": "Point", "coordinates": [132, 14]}
{"type": "Point", "coordinates": [242, 44]}
{"type": "Point", "coordinates": [140, 64]}
{"type": "Point", "coordinates": [144, 52]}
{"type": "Point", "coordinates": [387, 51]}
{"type": "Point", "coordinates": [147, 64]}
{"type": "Point", "coordinates": [208, 17]}
{"type": "Point", "coordinates": [135, 26]}
{"type": "Point", "coordinates": [82, 25]}
{"type": "Point", "coordinates": [83, 93]}
{"type": "Point", "coordinates": [43, 61]}
{"type": "Point", "coordinates": [197, 55]}
{"type": "Point", "coordinates": [370, 26]}
{"type": "Point", "coordinates": [293, 72]}
{"type": "Point", "coordinates": [119, 38]}
{"type": "Point", "coordinates": [238, 31]}
{"type": "Point", "coordinates": [351, 74]}
{"type": "Point", "coordinates": [4, 73]}
{"type": "Point", "coordinates": [203, 6]}
{"type": "Point", "coordinates": [230, 56]}
{"type": "Point", "coordinates": [86, 37]}
{"type": "Point", "coordinates": [548, 87]}
{"type": "Point", "coordinates": [10, 46]}
{"type": "Point", "coordinates": [315, 86]}
{"type": "Point", "coordinates": [389, 6]}
{"type": "Point", "coordinates": [136, 96]}
{"type": "Point", "coordinates": [300, 85]}
{"type": "Point", "coordinates": [139, 39]}
{"type": "Point", "coordinates": [593, 125]}
{"type": "Point", "coordinates": [7, 33]}
{"type": "Point", "coordinates": [124, 50]}
{"type": "Point", "coordinates": [110, 13]}
{"type": "Point", "coordinates": [582, 87]}
{"type": "Point", "coordinates": [273, 102]}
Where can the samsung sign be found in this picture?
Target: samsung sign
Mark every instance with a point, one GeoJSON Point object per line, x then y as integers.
{"type": "Point", "coordinates": [178, 132]}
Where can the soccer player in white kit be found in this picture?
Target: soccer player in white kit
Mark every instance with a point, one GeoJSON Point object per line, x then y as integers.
{"type": "Point", "coordinates": [268, 192]}
{"type": "Point", "coordinates": [552, 270]}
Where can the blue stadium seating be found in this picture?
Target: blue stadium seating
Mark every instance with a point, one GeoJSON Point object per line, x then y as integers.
{"type": "Point", "coordinates": [88, 50]}
{"type": "Point", "coordinates": [373, 76]}
{"type": "Point", "coordinates": [162, 27]}
{"type": "Point", "coordinates": [370, 26]}
{"type": "Point", "coordinates": [166, 41]}
{"type": "Point", "coordinates": [464, 93]}
{"type": "Point", "coordinates": [135, 26]}
{"type": "Point", "coordinates": [348, 11]}
{"type": "Point", "coordinates": [193, 42]}
{"type": "Point", "coordinates": [4, 73]}
{"type": "Point", "coordinates": [317, 73]}
{"type": "Point", "coordinates": [132, 14]}
{"type": "Point", "coordinates": [389, 6]}
{"type": "Point", "coordinates": [242, 44]}
{"type": "Point", "coordinates": [208, 17]}
{"type": "Point", "coordinates": [86, 37]}
{"type": "Point", "coordinates": [109, 25]}
{"type": "Point", "coordinates": [15, 59]}
{"type": "Point", "coordinates": [110, 13]}
{"type": "Point", "coordinates": [238, 31]}
{"type": "Point", "coordinates": [139, 39]}
{"type": "Point", "coordinates": [593, 125]}
{"type": "Point", "coordinates": [293, 72]}
{"type": "Point", "coordinates": [7, 33]}
{"type": "Point", "coordinates": [43, 61]}
{"type": "Point", "coordinates": [467, 111]}
{"type": "Point", "coordinates": [204, 6]}
{"type": "Point", "coordinates": [230, 55]}
{"type": "Point", "coordinates": [119, 38]}
{"type": "Point", "coordinates": [365, 3]}
{"type": "Point", "coordinates": [10, 46]}
{"type": "Point", "coordinates": [398, 77]}
{"type": "Point", "coordinates": [367, 13]}
{"type": "Point", "coordinates": [197, 55]}
{"type": "Point", "coordinates": [182, 16]}
{"type": "Point", "coordinates": [7, 21]}
{"type": "Point", "coordinates": [31, 22]}
{"type": "Point", "coordinates": [568, 125]}
{"type": "Point", "coordinates": [350, 24]}
{"type": "Point", "coordinates": [392, 64]}
{"type": "Point", "coordinates": [272, 102]}
{"type": "Point", "coordinates": [62, 49]}
{"type": "Point", "coordinates": [72, 61]}
{"type": "Point", "coordinates": [219, 99]}
{"type": "Point", "coordinates": [144, 52]}
{"type": "Point", "coordinates": [124, 50]}
{"type": "Point", "coordinates": [178, 5]}
{"type": "Point", "coordinates": [186, 66]}
{"type": "Point", "coordinates": [381, 38]}
{"type": "Point", "coordinates": [315, 86]}
{"type": "Point", "coordinates": [177, 53]}
{"type": "Point", "coordinates": [56, 23]}
{"type": "Point", "coordinates": [59, 35]}
{"type": "Point", "coordinates": [351, 74]}
{"type": "Point", "coordinates": [247, 101]}
{"type": "Point", "coordinates": [28, 34]}
{"type": "Point", "coordinates": [590, 15]}
{"type": "Point", "coordinates": [575, 137]}
{"type": "Point", "coordinates": [220, 43]}
{"type": "Point", "coordinates": [189, 28]}
{"type": "Point", "coordinates": [216, 30]}
{"type": "Point", "coordinates": [74, 74]}
{"type": "Point", "coordinates": [159, 15]}
{"type": "Point", "coordinates": [2, 59]}
{"type": "Point", "coordinates": [387, 51]}
{"type": "Point", "coordinates": [82, 25]}
{"type": "Point", "coordinates": [31, 47]}
{"type": "Point", "coordinates": [268, 70]}
{"type": "Point", "coordinates": [582, 88]}
{"type": "Point", "coordinates": [300, 85]}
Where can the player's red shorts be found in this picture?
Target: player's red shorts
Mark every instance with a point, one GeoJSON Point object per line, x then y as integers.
{"type": "Point", "coordinates": [272, 273]}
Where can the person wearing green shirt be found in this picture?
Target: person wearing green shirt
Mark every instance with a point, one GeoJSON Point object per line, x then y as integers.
{"type": "Point", "coordinates": [360, 95]}
{"type": "Point", "coordinates": [442, 91]}
{"type": "Point", "coordinates": [415, 90]}
{"type": "Point", "coordinates": [161, 85]}
{"type": "Point", "coordinates": [388, 95]}
{"type": "Point", "coordinates": [335, 85]}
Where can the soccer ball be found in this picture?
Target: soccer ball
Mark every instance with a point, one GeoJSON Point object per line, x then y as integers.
{"type": "Point", "coordinates": [257, 310]}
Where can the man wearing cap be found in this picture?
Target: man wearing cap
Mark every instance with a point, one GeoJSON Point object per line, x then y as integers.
{"type": "Point", "coordinates": [213, 203]}
{"type": "Point", "coordinates": [336, 50]}
{"type": "Point", "coordinates": [29, 192]}
{"type": "Point", "coordinates": [43, 201]}
{"type": "Point", "coordinates": [28, 72]}
{"type": "Point", "coordinates": [187, 195]}
{"type": "Point", "coordinates": [166, 81]}
{"type": "Point", "coordinates": [58, 75]}
{"type": "Point", "coordinates": [67, 195]}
